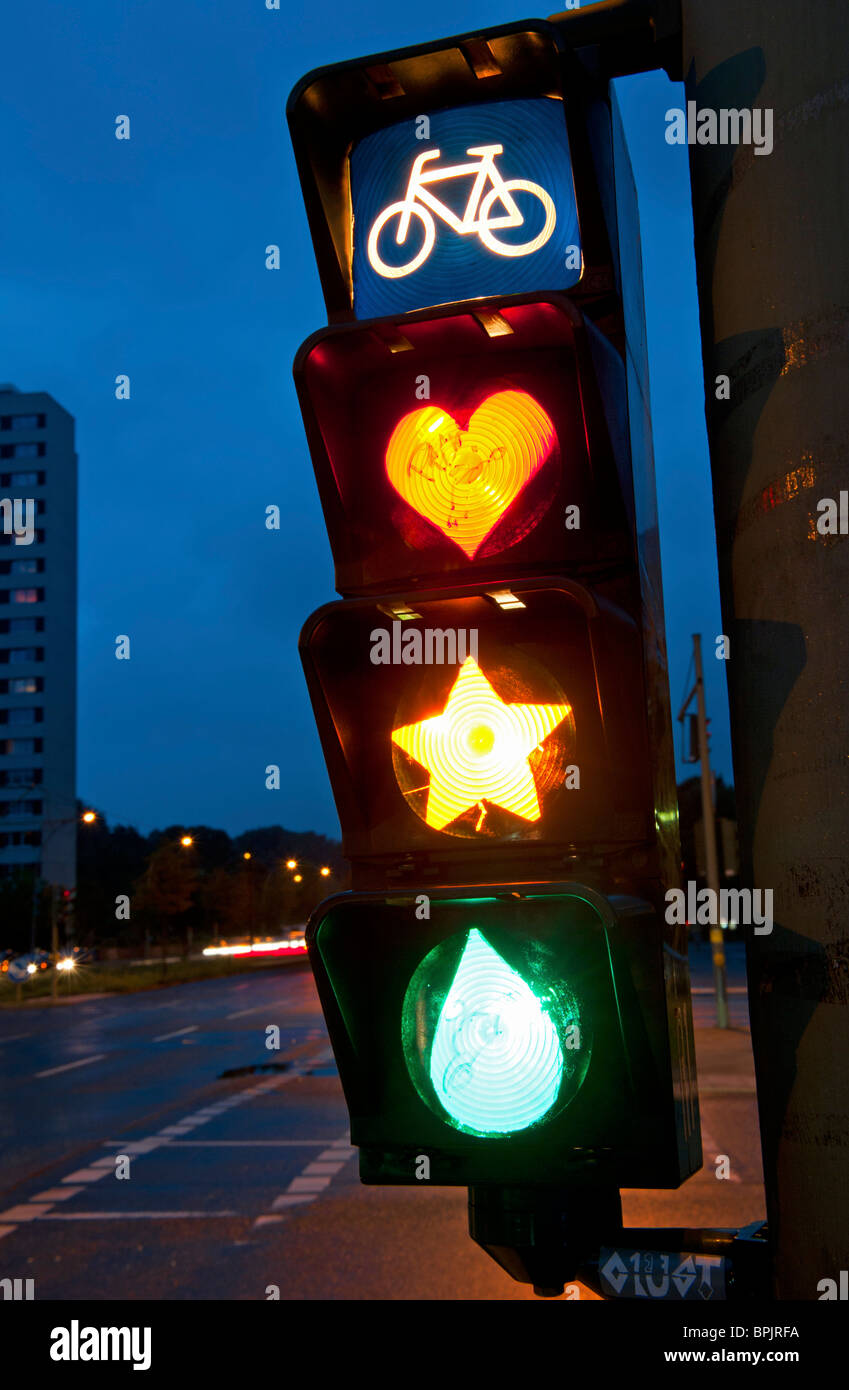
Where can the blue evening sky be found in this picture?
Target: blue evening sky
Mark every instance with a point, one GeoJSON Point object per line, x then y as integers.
{"type": "Point", "coordinates": [147, 257]}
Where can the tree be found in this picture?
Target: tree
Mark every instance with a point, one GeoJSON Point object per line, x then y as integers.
{"type": "Point", "coordinates": [166, 889]}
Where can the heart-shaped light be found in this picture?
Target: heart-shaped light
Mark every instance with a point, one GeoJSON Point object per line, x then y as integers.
{"type": "Point", "coordinates": [463, 481]}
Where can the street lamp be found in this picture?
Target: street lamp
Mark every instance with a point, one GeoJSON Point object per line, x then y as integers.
{"type": "Point", "coordinates": [291, 863]}
{"type": "Point", "coordinates": [186, 841]}
{"type": "Point", "coordinates": [325, 873]}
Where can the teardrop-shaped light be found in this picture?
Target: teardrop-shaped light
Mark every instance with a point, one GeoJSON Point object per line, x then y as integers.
{"type": "Point", "coordinates": [496, 1063]}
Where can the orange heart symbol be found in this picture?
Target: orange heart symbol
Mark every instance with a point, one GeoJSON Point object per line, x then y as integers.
{"type": "Point", "coordinates": [463, 481]}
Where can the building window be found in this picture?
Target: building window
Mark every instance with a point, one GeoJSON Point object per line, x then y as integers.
{"type": "Point", "coordinates": [21, 451]}
{"type": "Point", "coordinates": [21, 808]}
{"type": "Point", "coordinates": [22, 685]}
{"type": "Point", "coordinates": [24, 714]}
{"type": "Point", "coordinates": [22, 422]}
{"type": "Point", "coordinates": [26, 566]}
{"type": "Point", "coordinates": [18, 655]}
{"type": "Point", "coordinates": [22, 625]}
{"type": "Point", "coordinates": [22, 777]}
{"type": "Point", "coordinates": [20, 747]}
{"type": "Point", "coordinates": [25, 595]}
{"type": "Point", "coordinates": [20, 837]}
{"type": "Point", "coordinates": [23, 480]}
{"type": "Point", "coordinates": [9, 538]}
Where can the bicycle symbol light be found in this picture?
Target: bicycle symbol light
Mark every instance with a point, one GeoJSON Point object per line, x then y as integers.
{"type": "Point", "coordinates": [484, 205]}
{"type": "Point", "coordinates": [478, 217]}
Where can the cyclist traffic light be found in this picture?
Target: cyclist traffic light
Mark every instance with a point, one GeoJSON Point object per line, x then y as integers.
{"type": "Point", "coordinates": [456, 169]}
{"type": "Point", "coordinates": [506, 1002]}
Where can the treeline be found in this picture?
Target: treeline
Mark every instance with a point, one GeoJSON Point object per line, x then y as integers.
{"type": "Point", "coordinates": [216, 886]}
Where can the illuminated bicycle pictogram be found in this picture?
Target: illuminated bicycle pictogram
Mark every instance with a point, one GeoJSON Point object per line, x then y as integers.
{"type": "Point", "coordinates": [477, 218]}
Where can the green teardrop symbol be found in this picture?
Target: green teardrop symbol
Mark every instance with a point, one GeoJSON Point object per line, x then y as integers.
{"type": "Point", "coordinates": [496, 1063]}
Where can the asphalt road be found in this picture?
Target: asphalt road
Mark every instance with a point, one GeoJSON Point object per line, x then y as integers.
{"type": "Point", "coordinates": [240, 1181]}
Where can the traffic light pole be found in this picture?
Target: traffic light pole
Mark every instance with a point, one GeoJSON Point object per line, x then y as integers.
{"type": "Point", "coordinates": [709, 822]}
{"type": "Point", "coordinates": [55, 890]}
{"type": "Point", "coordinates": [773, 279]}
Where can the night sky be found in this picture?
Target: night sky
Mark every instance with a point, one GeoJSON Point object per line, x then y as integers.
{"type": "Point", "coordinates": [146, 257]}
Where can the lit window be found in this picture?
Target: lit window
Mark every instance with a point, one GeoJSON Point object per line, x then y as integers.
{"type": "Point", "coordinates": [23, 685]}
{"type": "Point", "coordinates": [24, 596]}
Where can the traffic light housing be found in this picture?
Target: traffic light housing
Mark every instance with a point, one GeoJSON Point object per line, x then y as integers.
{"type": "Point", "coordinates": [541, 756]}
{"type": "Point", "coordinates": [470, 442]}
{"type": "Point", "coordinates": [517, 1033]}
{"type": "Point", "coordinates": [354, 122]}
{"type": "Point", "coordinates": [507, 1004]}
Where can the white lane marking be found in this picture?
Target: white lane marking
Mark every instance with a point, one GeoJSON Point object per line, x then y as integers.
{"type": "Point", "coordinates": [315, 1178]}
{"type": "Point", "coordinates": [27, 1211]}
{"type": "Point", "coordinates": [163, 1037]}
{"type": "Point", "coordinates": [302, 1184]}
{"type": "Point", "coordinates": [254, 1009]}
{"type": "Point", "coordinates": [56, 1194]}
{"type": "Point", "coordinates": [138, 1146]}
{"type": "Point", "coordinates": [16, 1037]}
{"type": "Point", "coordinates": [69, 1066]}
{"type": "Point", "coordinates": [245, 1144]}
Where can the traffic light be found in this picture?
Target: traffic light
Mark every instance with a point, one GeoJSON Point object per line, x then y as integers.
{"type": "Point", "coordinates": [521, 1033]}
{"type": "Point", "coordinates": [508, 1006]}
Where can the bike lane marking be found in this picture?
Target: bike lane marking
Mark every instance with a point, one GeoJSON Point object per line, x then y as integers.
{"type": "Point", "coordinates": [40, 1206]}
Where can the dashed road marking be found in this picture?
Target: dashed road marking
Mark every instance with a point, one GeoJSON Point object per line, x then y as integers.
{"type": "Point", "coordinates": [178, 1033]}
{"type": "Point", "coordinates": [26, 1211]}
{"type": "Point", "coordinates": [69, 1066]}
{"type": "Point", "coordinates": [314, 1179]}
{"type": "Point", "coordinates": [36, 1209]}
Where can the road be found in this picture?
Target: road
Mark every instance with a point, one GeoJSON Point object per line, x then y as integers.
{"type": "Point", "coordinates": [239, 1180]}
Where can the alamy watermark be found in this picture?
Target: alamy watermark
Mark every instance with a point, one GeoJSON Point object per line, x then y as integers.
{"type": "Point", "coordinates": [726, 126]}
{"type": "Point", "coordinates": [745, 907]}
{"type": "Point", "coordinates": [430, 646]}
{"type": "Point", "coordinates": [18, 515]}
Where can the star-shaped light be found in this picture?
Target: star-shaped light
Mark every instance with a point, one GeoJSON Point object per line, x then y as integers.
{"type": "Point", "coordinates": [478, 748]}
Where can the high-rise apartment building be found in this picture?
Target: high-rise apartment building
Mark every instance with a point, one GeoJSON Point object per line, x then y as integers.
{"type": "Point", "coordinates": [38, 636]}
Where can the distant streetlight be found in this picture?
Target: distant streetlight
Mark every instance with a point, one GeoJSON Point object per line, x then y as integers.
{"type": "Point", "coordinates": [299, 878]}
{"type": "Point", "coordinates": [247, 854]}
{"type": "Point", "coordinates": [89, 817]}
{"type": "Point", "coordinates": [291, 863]}
{"type": "Point", "coordinates": [325, 873]}
{"type": "Point", "coordinates": [186, 841]}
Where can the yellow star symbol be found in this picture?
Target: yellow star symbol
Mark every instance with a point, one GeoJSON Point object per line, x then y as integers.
{"type": "Point", "coordinates": [478, 748]}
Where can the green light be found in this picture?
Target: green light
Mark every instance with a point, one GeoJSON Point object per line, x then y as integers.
{"type": "Point", "coordinates": [496, 1063]}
